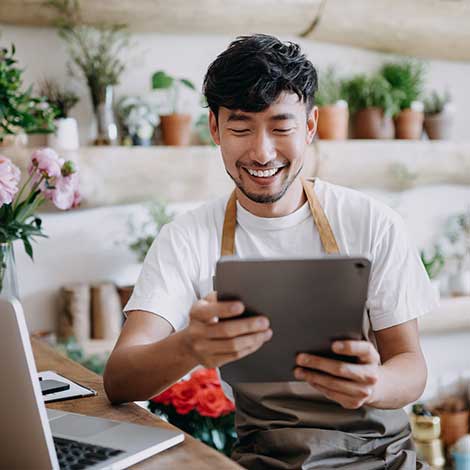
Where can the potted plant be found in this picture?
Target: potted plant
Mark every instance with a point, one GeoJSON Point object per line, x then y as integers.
{"type": "Point", "coordinates": [407, 80]}
{"type": "Point", "coordinates": [333, 119]}
{"type": "Point", "coordinates": [21, 113]}
{"type": "Point", "coordinates": [138, 119]}
{"type": "Point", "coordinates": [372, 102]}
{"type": "Point", "coordinates": [433, 263]}
{"type": "Point", "coordinates": [176, 127]}
{"type": "Point", "coordinates": [95, 55]}
{"type": "Point", "coordinates": [438, 116]}
{"type": "Point", "coordinates": [62, 100]}
{"type": "Point", "coordinates": [457, 249]}
{"type": "Point", "coordinates": [50, 178]}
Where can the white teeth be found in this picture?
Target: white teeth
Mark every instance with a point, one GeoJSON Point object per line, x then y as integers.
{"type": "Point", "coordinates": [263, 174]}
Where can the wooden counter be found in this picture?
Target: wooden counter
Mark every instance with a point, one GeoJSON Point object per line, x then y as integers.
{"type": "Point", "coordinates": [191, 454]}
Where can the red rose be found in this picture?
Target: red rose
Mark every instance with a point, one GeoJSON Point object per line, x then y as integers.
{"type": "Point", "coordinates": [164, 397]}
{"type": "Point", "coordinates": [184, 396]}
{"type": "Point", "coordinates": [205, 378]}
{"type": "Point", "coordinates": [213, 403]}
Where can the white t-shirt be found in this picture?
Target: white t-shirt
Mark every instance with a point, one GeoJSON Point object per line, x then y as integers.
{"type": "Point", "coordinates": [180, 264]}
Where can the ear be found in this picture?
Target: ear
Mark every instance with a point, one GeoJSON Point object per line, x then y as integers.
{"type": "Point", "coordinates": [312, 121]}
{"type": "Point", "coordinates": [214, 128]}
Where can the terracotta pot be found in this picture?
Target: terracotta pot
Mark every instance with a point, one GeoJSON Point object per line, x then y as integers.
{"type": "Point", "coordinates": [333, 122]}
{"type": "Point", "coordinates": [372, 123]}
{"type": "Point", "coordinates": [438, 126]}
{"type": "Point", "coordinates": [454, 425]}
{"type": "Point", "coordinates": [409, 124]}
{"type": "Point", "coordinates": [176, 129]}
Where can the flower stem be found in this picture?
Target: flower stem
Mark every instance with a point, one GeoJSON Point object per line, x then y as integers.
{"type": "Point", "coordinates": [18, 197]}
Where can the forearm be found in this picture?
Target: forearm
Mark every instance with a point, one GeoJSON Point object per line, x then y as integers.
{"type": "Point", "coordinates": [401, 381]}
{"type": "Point", "coordinates": [143, 371]}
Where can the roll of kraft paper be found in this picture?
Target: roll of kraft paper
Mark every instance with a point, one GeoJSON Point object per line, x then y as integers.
{"type": "Point", "coordinates": [74, 315]}
{"type": "Point", "coordinates": [106, 311]}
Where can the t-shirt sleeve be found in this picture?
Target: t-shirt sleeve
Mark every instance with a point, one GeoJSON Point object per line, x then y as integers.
{"type": "Point", "coordinates": [166, 284]}
{"type": "Point", "coordinates": [399, 287]}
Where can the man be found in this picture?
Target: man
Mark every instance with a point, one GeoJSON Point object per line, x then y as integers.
{"type": "Point", "coordinates": [260, 92]}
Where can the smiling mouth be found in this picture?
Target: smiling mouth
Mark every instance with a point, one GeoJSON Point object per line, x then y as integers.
{"type": "Point", "coordinates": [263, 173]}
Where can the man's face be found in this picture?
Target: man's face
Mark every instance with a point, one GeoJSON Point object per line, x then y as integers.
{"type": "Point", "coordinates": [264, 152]}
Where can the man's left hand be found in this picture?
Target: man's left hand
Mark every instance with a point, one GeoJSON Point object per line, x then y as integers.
{"type": "Point", "coordinates": [350, 385]}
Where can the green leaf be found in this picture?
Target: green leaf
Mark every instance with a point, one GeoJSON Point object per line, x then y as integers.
{"type": "Point", "coordinates": [187, 83]}
{"type": "Point", "coordinates": [160, 80]}
{"type": "Point", "coordinates": [28, 248]}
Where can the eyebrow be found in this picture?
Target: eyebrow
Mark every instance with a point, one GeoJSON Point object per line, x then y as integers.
{"type": "Point", "coordinates": [233, 116]}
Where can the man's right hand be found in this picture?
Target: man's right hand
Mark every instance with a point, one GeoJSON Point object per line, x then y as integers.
{"type": "Point", "coordinates": [215, 343]}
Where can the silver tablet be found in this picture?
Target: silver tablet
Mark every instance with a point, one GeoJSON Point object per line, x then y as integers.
{"type": "Point", "coordinates": [310, 303]}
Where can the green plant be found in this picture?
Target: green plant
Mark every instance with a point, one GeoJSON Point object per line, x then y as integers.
{"type": "Point", "coordinates": [202, 128]}
{"type": "Point", "coordinates": [330, 89]}
{"type": "Point", "coordinates": [363, 92]}
{"type": "Point", "coordinates": [406, 79]}
{"type": "Point", "coordinates": [433, 263]}
{"type": "Point", "coordinates": [19, 109]}
{"type": "Point", "coordinates": [162, 81]}
{"type": "Point", "coordinates": [143, 235]}
{"type": "Point", "coordinates": [95, 51]}
{"type": "Point", "coordinates": [435, 102]}
{"type": "Point", "coordinates": [59, 98]}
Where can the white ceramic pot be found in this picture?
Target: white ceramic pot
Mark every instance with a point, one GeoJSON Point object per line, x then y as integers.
{"type": "Point", "coordinates": [65, 136]}
{"type": "Point", "coordinates": [459, 284]}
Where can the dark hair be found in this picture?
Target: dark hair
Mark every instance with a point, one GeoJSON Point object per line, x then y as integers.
{"type": "Point", "coordinates": [254, 70]}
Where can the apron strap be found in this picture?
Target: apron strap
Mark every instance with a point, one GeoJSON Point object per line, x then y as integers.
{"type": "Point", "coordinates": [323, 226]}
{"type": "Point", "coordinates": [230, 222]}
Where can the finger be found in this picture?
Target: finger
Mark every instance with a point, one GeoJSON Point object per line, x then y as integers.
{"type": "Point", "coordinates": [233, 328]}
{"type": "Point", "coordinates": [364, 350]}
{"type": "Point", "coordinates": [206, 311]}
{"type": "Point", "coordinates": [346, 387]}
{"type": "Point", "coordinates": [233, 345]}
{"type": "Point", "coordinates": [211, 296]}
{"type": "Point", "coordinates": [357, 372]}
{"type": "Point", "coordinates": [344, 400]}
{"type": "Point", "coordinates": [221, 359]}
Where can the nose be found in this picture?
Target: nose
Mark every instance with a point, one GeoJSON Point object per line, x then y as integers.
{"type": "Point", "coordinates": [263, 149]}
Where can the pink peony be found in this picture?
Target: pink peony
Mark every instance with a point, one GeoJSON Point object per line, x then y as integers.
{"type": "Point", "coordinates": [65, 193]}
{"type": "Point", "coordinates": [9, 179]}
{"type": "Point", "coordinates": [46, 162]}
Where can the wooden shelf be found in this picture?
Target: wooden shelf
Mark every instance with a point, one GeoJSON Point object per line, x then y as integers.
{"type": "Point", "coordinates": [453, 314]}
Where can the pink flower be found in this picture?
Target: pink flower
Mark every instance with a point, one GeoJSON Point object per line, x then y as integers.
{"type": "Point", "coordinates": [46, 162]}
{"type": "Point", "coordinates": [65, 193]}
{"type": "Point", "coordinates": [9, 179]}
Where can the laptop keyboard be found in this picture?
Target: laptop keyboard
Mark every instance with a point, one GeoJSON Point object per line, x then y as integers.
{"type": "Point", "coordinates": [74, 455]}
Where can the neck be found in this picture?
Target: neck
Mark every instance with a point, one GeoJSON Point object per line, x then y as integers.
{"type": "Point", "coordinates": [293, 199]}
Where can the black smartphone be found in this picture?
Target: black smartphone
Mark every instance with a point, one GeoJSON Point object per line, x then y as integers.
{"type": "Point", "coordinates": [52, 386]}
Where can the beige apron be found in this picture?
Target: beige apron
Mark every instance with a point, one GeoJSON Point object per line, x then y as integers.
{"type": "Point", "coordinates": [291, 426]}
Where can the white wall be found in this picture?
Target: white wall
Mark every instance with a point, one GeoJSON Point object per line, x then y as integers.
{"type": "Point", "coordinates": [43, 54]}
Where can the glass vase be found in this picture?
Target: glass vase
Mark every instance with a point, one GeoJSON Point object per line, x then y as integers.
{"type": "Point", "coordinates": [8, 277]}
{"type": "Point", "coordinates": [106, 124]}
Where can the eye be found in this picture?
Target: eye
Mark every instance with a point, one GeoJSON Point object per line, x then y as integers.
{"type": "Point", "coordinates": [283, 131]}
{"type": "Point", "coordinates": [239, 131]}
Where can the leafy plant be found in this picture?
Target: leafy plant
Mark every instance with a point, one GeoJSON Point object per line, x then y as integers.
{"type": "Point", "coordinates": [330, 89]}
{"type": "Point", "coordinates": [94, 51]}
{"type": "Point", "coordinates": [137, 116]}
{"type": "Point", "coordinates": [61, 99]}
{"type": "Point", "coordinates": [162, 81]}
{"type": "Point", "coordinates": [19, 109]}
{"type": "Point", "coordinates": [435, 102]}
{"type": "Point", "coordinates": [406, 79]}
{"type": "Point", "coordinates": [433, 263]}
{"type": "Point", "coordinates": [142, 236]}
{"type": "Point", "coordinates": [363, 92]}
{"type": "Point", "coordinates": [202, 128]}
{"type": "Point", "coordinates": [72, 349]}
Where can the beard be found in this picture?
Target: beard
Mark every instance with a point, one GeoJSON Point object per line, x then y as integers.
{"type": "Point", "coordinates": [266, 198]}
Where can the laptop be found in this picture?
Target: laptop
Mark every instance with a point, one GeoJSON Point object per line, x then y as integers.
{"type": "Point", "coordinates": [32, 437]}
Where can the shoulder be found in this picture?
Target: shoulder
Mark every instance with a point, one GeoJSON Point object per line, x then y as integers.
{"type": "Point", "coordinates": [204, 218]}
{"type": "Point", "coordinates": [356, 206]}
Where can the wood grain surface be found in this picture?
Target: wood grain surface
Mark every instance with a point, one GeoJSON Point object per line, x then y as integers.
{"type": "Point", "coordinates": [191, 454]}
